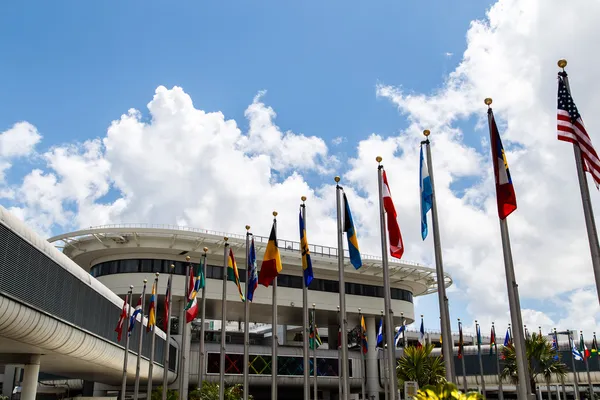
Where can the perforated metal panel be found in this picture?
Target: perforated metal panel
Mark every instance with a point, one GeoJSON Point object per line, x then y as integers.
{"type": "Point", "coordinates": [29, 276]}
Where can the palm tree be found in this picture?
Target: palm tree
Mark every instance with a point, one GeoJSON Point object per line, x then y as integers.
{"type": "Point", "coordinates": [542, 360]}
{"type": "Point", "coordinates": [418, 365]}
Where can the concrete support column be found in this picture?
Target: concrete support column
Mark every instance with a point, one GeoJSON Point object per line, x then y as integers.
{"type": "Point", "coordinates": [8, 383]}
{"type": "Point", "coordinates": [30, 378]}
{"type": "Point", "coordinates": [332, 336]}
{"type": "Point", "coordinates": [373, 387]}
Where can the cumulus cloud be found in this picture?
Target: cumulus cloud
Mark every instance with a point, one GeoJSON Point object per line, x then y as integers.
{"type": "Point", "coordinates": [18, 141]}
{"type": "Point", "coordinates": [187, 166]}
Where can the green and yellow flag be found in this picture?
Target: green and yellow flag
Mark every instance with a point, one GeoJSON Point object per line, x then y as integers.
{"type": "Point", "coordinates": [233, 274]}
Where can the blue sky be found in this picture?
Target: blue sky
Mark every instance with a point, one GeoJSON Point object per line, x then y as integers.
{"type": "Point", "coordinates": [70, 68]}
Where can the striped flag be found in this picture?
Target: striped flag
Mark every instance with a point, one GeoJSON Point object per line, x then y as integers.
{"type": "Point", "coordinates": [166, 307]}
{"type": "Point", "coordinates": [307, 269]}
{"type": "Point", "coordinates": [505, 191]}
{"type": "Point", "coordinates": [233, 273]}
{"type": "Point", "coordinates": [571, 129]}
{"type": "Point", "coordinates": [252, 274]}
{"type": "Point", "coordinates": [119, 328]}
{"type": "Point", "coordinates": [271, 264]}
{"type": "Point", "coordinates": [394, 234]}
{"type": "Point", "coordinates": [461, 342]}
{"type": "Point", "coordinates": [152, 308]}
{"type": "Point", "coordinates": [492, 340]}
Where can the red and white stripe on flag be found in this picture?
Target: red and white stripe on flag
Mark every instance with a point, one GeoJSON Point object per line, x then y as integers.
{"type": "Point", "coordinates": [395, 237]}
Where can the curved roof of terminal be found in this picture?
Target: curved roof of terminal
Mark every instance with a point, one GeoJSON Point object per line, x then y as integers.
{"type": "Point", "coordinates": [122, 233]}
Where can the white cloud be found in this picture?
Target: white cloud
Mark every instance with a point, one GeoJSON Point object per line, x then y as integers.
{"type": "Point", "coordinates": [196, 168]}
{"type": "Point", "coordinates": [336, 141]}
{"type": "Point", "coordinates": [18, 141]}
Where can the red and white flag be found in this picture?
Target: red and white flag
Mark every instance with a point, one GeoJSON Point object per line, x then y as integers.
{"type": "Point", "coordinates": [119, 328]}
{"type": "Point", "coordinates": [395, 237]}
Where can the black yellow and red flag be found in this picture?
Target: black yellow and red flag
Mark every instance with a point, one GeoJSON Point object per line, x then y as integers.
{"type": "Point", "coordinates": [271, 264]}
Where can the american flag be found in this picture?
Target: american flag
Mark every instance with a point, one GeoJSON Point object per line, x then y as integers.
{"type": "Point", "coordinates": [571, 129]}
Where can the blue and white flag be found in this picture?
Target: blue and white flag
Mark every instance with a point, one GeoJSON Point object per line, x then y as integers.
{"type": "Point", "coordinates": [398, 335]}
{"type": "Point", "coordinates": [426, 194]}
{"type": "Point", "coordinates": [576, 353]}
{"type": "Point", "coordinates": [421, 334]}
{"type": "Point", "coordinates": [380, 334]}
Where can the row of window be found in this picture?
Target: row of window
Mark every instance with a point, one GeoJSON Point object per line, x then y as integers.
{"type": "Point", "coordinates": [216, 272]}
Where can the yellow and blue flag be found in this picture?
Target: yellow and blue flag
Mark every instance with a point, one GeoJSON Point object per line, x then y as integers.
{"type": "Point", "coordinates": [353, 250]}
{"type": "Point", "coordinates": [363, 335]}
{"type": "Point", "coordinates": [306, 261]}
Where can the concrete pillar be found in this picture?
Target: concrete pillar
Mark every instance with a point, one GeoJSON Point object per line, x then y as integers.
{"type": "Point", "coordinates": [30, 378]}
{"type": "Point", "coordinates": [373, 387]}
{"type": "Point", "coordinates": [8, 384]}
{"type": "Point", "coordinates": [332, 336]}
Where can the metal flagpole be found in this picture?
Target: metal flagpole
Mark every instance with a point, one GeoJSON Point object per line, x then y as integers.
{"type": "Point", "coordinates": [524, 386]}
{"type": "Point", "coordinates": [462, 357]}
{"type": "Point", "coordinates": [446, 326]}
{"type": "Point", "coordinates": [124, 382]}
{"type": "Point", "coordinates": [342, 290]}
{"type": "Point", "coordinates": [363, 366]}
{"type": "Point", "coordinates": [562, 378]}
{"type": "Point", "coordinates": [588, 212]}
{"type": "Point", "coordinates": [168, 342]}
{"type": "Point", "coordinates": [136, 390]}
{"type": "Point", "coordinates": [478, 331]}
{"type": "Point", "coordinates": [223, 322]}
{"type": "Point", "coordinates": [184, 339]}
{"type": "Point", "coordinates": [247, 317]}
{"type": "Point", "coordinates": [305, 360]}
{"type": "Point", "coordinates": [339, 345]}
{"type": "Point", "coordinates": [274, 341]}
{"type": "Point", "coordinates": [500, 390]}
{"type": "Point", "coordinates": [575, 375]}
{"type": "Point", "coordinates": [389, 321]}
{"type": "Point", "coordinates": [404, 331]}
{"type": "Point", "coordinates": [201, 353]}
{"type": "Point", "coordinates": [315, 371]}
{"type": "Point", "coordinates": [153, 344]}
{"type": "Point", "coordinates": [587, 369]}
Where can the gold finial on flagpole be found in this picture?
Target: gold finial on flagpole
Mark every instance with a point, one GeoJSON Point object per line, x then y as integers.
{"type": "Point", "coordinates": [145, 281]}
{"type": "Point", "coordinates": [274, 213]}
{"type": "Point", "coordinates": [130, 287]}
{"type": "Point", "coordinates": [562, 63]}
{"type": "Point", "coordinates": [337, 179]}
{"type": "Point", "coordinates": [187, 258]}
{"type": "Point", "coordinates": [157, 274]}
{"type": "Point", "coordinates": [205, 249]}
{"type": "Point", "coordinates": [488, 101]}
{"type": "Point", "coordinates": [225, 238]}
{"type": "Point", "coordinates": [303, 198]}
{"type": "Point", "coordinates": [426, 132]}
{"type": "Point", "coordinates": [247, 227]}
{"type": "Point", "coordinates": [378, 159]}
{"type": "Point", "coordinates": [359, 310]}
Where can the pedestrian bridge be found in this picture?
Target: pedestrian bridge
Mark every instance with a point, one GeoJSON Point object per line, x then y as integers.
{"type": "Point", "coordinates": [58, 319]}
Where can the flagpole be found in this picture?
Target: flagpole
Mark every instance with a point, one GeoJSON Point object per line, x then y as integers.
{"type": "Point", "coordinates": [223, 322]}
{"type": "Point", "coordinates": [588, 212]}
{"type": "Point", "coordinates": [446, 326]}
{"type": "Point", "coordinates": [363, 366]}
{"type": "Point", "coordinates": [247, 316]}
{"type": "Point", "coordinates": [575, 375]}
{"type": "Point", "coordinates": [136, 390]}
{"type": "Point", "coordinates": [315, 372]}
{"type": "Point", "coordinates": [587, 369]}
{"type": "Point", "coordinates": [201, 353]}
{"type": "Point", "coordinates": [274, 336]}
{"type": "Point", "coordinates": [562, 378]}
{"type": "Point", "coordinates": [461, 343]}
{"type": "Point", "coordinates": [524, 387]}
{"type": "Point", "coordinates": [389, 322]}
{"type": "Point", "coordinates": [184, 338]}
{"type": "Point", "coordinates": [124, 381]}
{"type": "Point", "coordinates": [153, 344]}
{"type": "Point", "coordinates": [305, 361]}
{"type": "Point", "coordinates": [597, 355]}
{"type": "Point", "coordinates": [404, 331]}
{"type": "Point", "coordinates": [339, 349]}
{"type": "Point", "coordinates": [478, 330]}
{"type": "Point", "coordinates": [500, 390]}
{"type": "Point", "coordinates": [168, 342]}
{"type": "Point", "coordinates": [342, 290]}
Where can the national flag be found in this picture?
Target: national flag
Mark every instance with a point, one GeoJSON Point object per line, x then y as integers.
{"type": "Point", "coordinates": [421, 334]}
{"type": "Point", "coordinates": [122, 317]}
{"type": "Point", "coordinates": [505, 192]}
{"type": "Point", "coordinates": [398, 335]}
{"type": "Point", "coordinates": [479, 335]}
{"type": "Point", "coordinates": [152, 308]}
{"type": "Point", "coordinates": [576, 353]}
{"type": "Point", "coordinates": [307, 270]}
{"type": "Point", "coordinates": [583, 348]}
{"type": "Point", "coordinates": [199, 282]}
{"type": "Point", "coordinates": [555, 345]}
{"type": "Point", "coordinates": [351, 236]}
{"type": "Point", "coordinates": [380, 334]}
{"type": "Point", "coordinates": [271, 264]}
{"type": "Point", "coordinates": [132, 319]}
{"type": "Point", "coordinates": [166, 307]}
{"type": "Point", "coordinates": [314, 340]}
{"type": "Point", "coordinates": [363, 335]}
{"type": "Point", "coordinates": [426, 194]}
{"type": "Point", "coordinates": [461, 342]}
{"type": "Point", "coordinates": [233, 273]}
{"type": "Point", "coordinates": [252, 274]}
{"type": "Point", "coordinates": [594, 347]}
{"type": "Point", "coordinates": [394, 234]}
{"type": "Point", "coordinates": [191, 309]}
{"type": "Point", "coordinates": [507, 338]}
{"type": "Point", "coordinates": [492, 340]}
{"type": "Point", "coordinates": [571, 129]}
